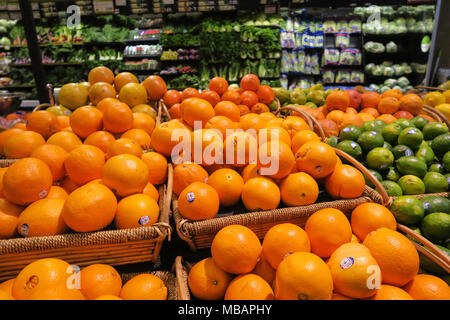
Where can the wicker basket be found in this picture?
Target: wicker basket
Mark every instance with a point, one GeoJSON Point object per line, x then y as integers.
{"type": "Point", "coordinates": [170, 280]}
{"type": "Point", "coordinates": [181, 269]}
{"type": "Point", "coordinates": [115, 247]}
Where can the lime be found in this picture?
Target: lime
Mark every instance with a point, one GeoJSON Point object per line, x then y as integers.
{"type": "Point", "coordinates": [379, 159]}
{"type": "Point", "coordinates": [312, 105]}
{"type": "Point", "coordinates": [391, 131]}
{"type": "Point", "coordinates": [350, 133]}
{"type": "Point", "coordinates": [436, 167]}
{"type": "Point", "coordinates": [376, 174]}
{"type": "Point", "coordinates": [387, 145]}
{"type": "Point", "coordinates": [436, 226]}
{"type": "Point", "coordinates": [412, 165]}
{"type": "Point", "coordinates": [369, 140]}
{"type": "Point", "coordinates": [435, 182]}
{"type": "Point", "coordinates": [373, 125]}
{"type": "Point", "coordinates": [392, 174]}
{"type": "Point", "coordinates": [436, 204]}
{"type": "Point", "coordinates": [352, 148]}
{"type": "Point", "coordinates": [431, 266]}
{"type": "Point", "coordinates": [419, 122]}
{"type": "Point", "coordinates": [404, 123]}
{"type": "Point", "coordinates": [425, 153]}
{"type": "Point", "coordinates": [411, 137]}
{"type": "Point", "coordinates": [446, 161]}
{"type": "Point", "coordinates": [392, 188]}
{"type": "Point", "coordinates": [441, 144]}
{"type": "Point", "coordinates": [407, 210]}
{"type": "Point", "coordinates": [332, 141]}
{"type": "Point", "coordinates": [411, 185]}
{"type": "Point", "coordinates": [402, 151]}
{"type": "Point", "coordinates": [434, 129]}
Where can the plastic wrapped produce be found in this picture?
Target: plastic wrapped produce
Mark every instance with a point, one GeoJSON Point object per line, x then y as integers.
{"type": "Point", "coordinates": [342, 40]}
{"type": "Point", "coordinates": [391, 47]}
{"type": "Point", "coordinates": [343, 76]}
{"type": "Point", "coordinates": [301, 61]}
{"type": "Point", "coordinates": [390, 82]}
{"type": "Point", "coordinates": [389, 72]}
{"type": "Point", "coordinates": [383, 89]}
{"type": "Point", "coordinates": [329, 26]}
{"type": "Point", "coordinates": [369, 67]}
{"type": "Point", "coordinates": [328, 76]}
{"type": "Point", "coordinates": [374, 47]}
{"type": "Point", "coordinates": [374, 87]}
{"type": "Point", "coordinates": [315, 65]}
{"type": "Point", "coordinates": [355, 26]}
{"type": "Point", "coordinates": [331, 57]}
{"type": "Point", "coordinates": [357, 76]}
{"type": "Point", "coordinates": [377, 71]}
{"type": "Point", "coordinates": [342, 26]}
{"type": "Point", "coordinates": [398, 69]}
{"type": "Point", "coordinates": [350, 57]}
{"type": "Point", "coordinates": [403, 82]}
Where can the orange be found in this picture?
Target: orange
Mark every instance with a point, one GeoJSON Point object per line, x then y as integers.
{"type": "Point", "coordinates": [207, 147]}
{"type": "Point", "coordinates": [349, 265]}
{"type": "Point", "coordinates": [232, 95]}
{"type": "Point", "coordinates": [387, 118]}
{"type": "Point", "coordinates": [275, 159]}
{"type": "Point", "coordinates": [100, 139]}
{"type": "Point", "coordinates": [210, 96]}
{"type": "Point", "coordinates": [108, 297]}
{"type": "Point", "coordinates": [2, 173]}
{"type": "Point", "coordinates": [249, 287]}
{"type": "Point", "coordinates": [187, 173]}
{"type": "Point", "coordinates": [207, 281]}
{"type": "Point", "coordinates": [63, 122]}
{"type": "Point", "coordinates": [66, 140]}
{"type": "Point", "coordinates": [219, 85]}
{"type": "Point", "coordinates": [330, 127]}
{"type": "Point", "coordinates": [89, 208]}
{"type": "Point", "coordinates": [124, 146]}
{"type": "Point", "coordinates": [99, 279]}
{"type": "Point", "coordinates": [299, 189]}
{"type": "Point", "coordinates": [259, 108]}
{"type": "Point", "coordinates": [39, 274]}
{"type": "Point", "coordinates": [100, 74]}
{"type": "Point", "coordinates": [372, 111]}
{"type": "Point", "coordinates": [395, 254]}
{"type": "Point", "coordinates": [172, 97]}
{"type": "Point", "coordinates": [388, 105]}
{"type": "Point", "coordinates": [368, 217]}
{"type": "Point", "coordinates": [156, 87]}
{"type": "Point", "coordinates": [68, 185]}
{"type": "Point", "coordinates": [264, 270]}
{"type": "Point", "coordinates": [251, 121]}
{"type": "Point", "coordinates": [57, 291]}
{"type": "Point", "coordinates": [6, 286]}
{"type": "Point", "coordinates": [240, 149]}
{"type": "Point", "coordinates": [387, 292]}
{"type": "Point", "coordinates": [104, 103]}
{"type": "Point", "coordinates": [175, 112]}
{"type": "Point", "coordinates": [190, 93]}
{"type": "Point", "coordinates": [144, 122]}
{"type": "Point", "coordinates": [198, 201]}
{"type": "Point", "coordinates": [84, 164]}
{"type": "Point", "coordinates": [243, 109]}
{"type": "Point", "coordinates": [125, 174]}
{"type": "Point", "coordinates": [228, 109]}
{"type": "Point", "coordinates": [5, 135]}
{"type": "Point", "coordinates": [5, 295]}
{"type": "Point", "coordinates": [338, 186]}
{"type": "Point", "coordinates": [317, 159]}
{"type": "Point", "coordinates": [411, 103]}
{"type": "Point", "coordinates": [9, 214]}
{"type": "Point", "coordinates": [54, 157]}
{"type": "Point", "coordinates": [123, 78]}
{"type": "Point", "coordinates": [73, 95]}
{"type": "Point", "coordinates": [57, 192]}
{"type": "Point", "coordinates": [265, 94]}
{"type": "Point", "coordinates": [222, 124]}
{"type": "Point", "coordinates": [144, 287]}
{"type": "Point", "coordinates": [249, 98]}
{"type": "Point", "coordinates": [22, 144]}
{"type": "Point", "coordinates": [196, 110]}
{"type": "Point", "coordinates": [365, 116]}
{"type": "Point", "coordinates": [118, 118]}
{"type": "Point", "coordinates": [338, 296]}
{"type": "Point", "coordinates": [236, 249]}
{"type": "Point", "coordinates": [250, 82]}
{"type": "Point", "coordinates": [351, 119]}
{"type": "Point", "coordinates": [137, 210]}
{"type": "Point", "coordinates": [157, 166]}
{"type": "Point", "coordinates": [100, 91]}
{"type": "Point", "coordinates": [327, 230]}
{"type": "Point", "coordinates": [250, 171]}
{"type": "Point", "coordinates": [151, 191]}
{"type": "Point", "coordinates": [43, 122]}
{"type": "Point", "coordinates": [228, 185]}
{"type": "Point", "coordinates": [302, 137]}
{"type": "Point", "coordinates": [351, 110]}
{"type": "Point", "coordinates": [394, 93]}
{"type": "Point", "coordinates": [139, 136]}
{"type": "Point", "coordinates": [303, 276]}
{"type": "Point", "coordinates": [133, 94]}
{"type": "Point", "coordinates": [267, 116]}
{"type": "Point", "coordinates": [30, 172]}
{"type": "Point", "coordinates": [260, 193]}
{"type": "Point", "coordinates": [86, 120]}
{"type": "Point", "coordinates": [42, 218]}
{"type": "Point", "coordinates": [282, 240]}
{"type": "Point", "coordinates": [339, 100]}
{"type": "Point", "coordinates": [163, 137]}
{"type": "Point", "coordinates": [20, 125]}
{"type": "Point", "coordinates": [428, 287]}
{"type": "Point", "coordinates": [370, 99]}
{"type": "Point", "coordinates": [355, 239]}
{"type": "Point", "coordinates": [273, 132]}
{"type": "Point", "coordinates": [294, 124]}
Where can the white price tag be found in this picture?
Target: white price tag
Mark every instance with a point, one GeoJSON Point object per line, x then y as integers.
{"type": "Point", "coordinates": [168, 1]}
{"type": "Point", "coordinates": [103, 6]}
{"type": "Point", "coordinates": [121, 3]}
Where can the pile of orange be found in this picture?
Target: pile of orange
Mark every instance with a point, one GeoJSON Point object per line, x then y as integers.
{"type": "Point", "coordinates": [332, 258]}
{"type": "Point", "coordinates": [55, 279]}
{"type": "Point", "coordinates": [96, 171]}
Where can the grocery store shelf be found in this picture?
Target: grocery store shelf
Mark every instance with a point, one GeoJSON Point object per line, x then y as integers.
{"type": "Point", "coordinates": [56, 64]}
{"type": "Point", "coordinates": [104, 43]}
{"type": "Point", "coordinates": [18, 86]}
{"type": "Point", "coordinates": [143, 40]}
{"type": "Point", "coordinates": [149, 56]}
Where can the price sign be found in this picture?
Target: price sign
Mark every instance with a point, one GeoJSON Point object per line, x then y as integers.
{"type": "Point", "coordinates": [121, 3]}
{"type": "Point", "coordinates": [103, 6]}
{"type": "Point", "coordinates": [269, 9]}
{"type": "Point", "coordinates": [168, 1]}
